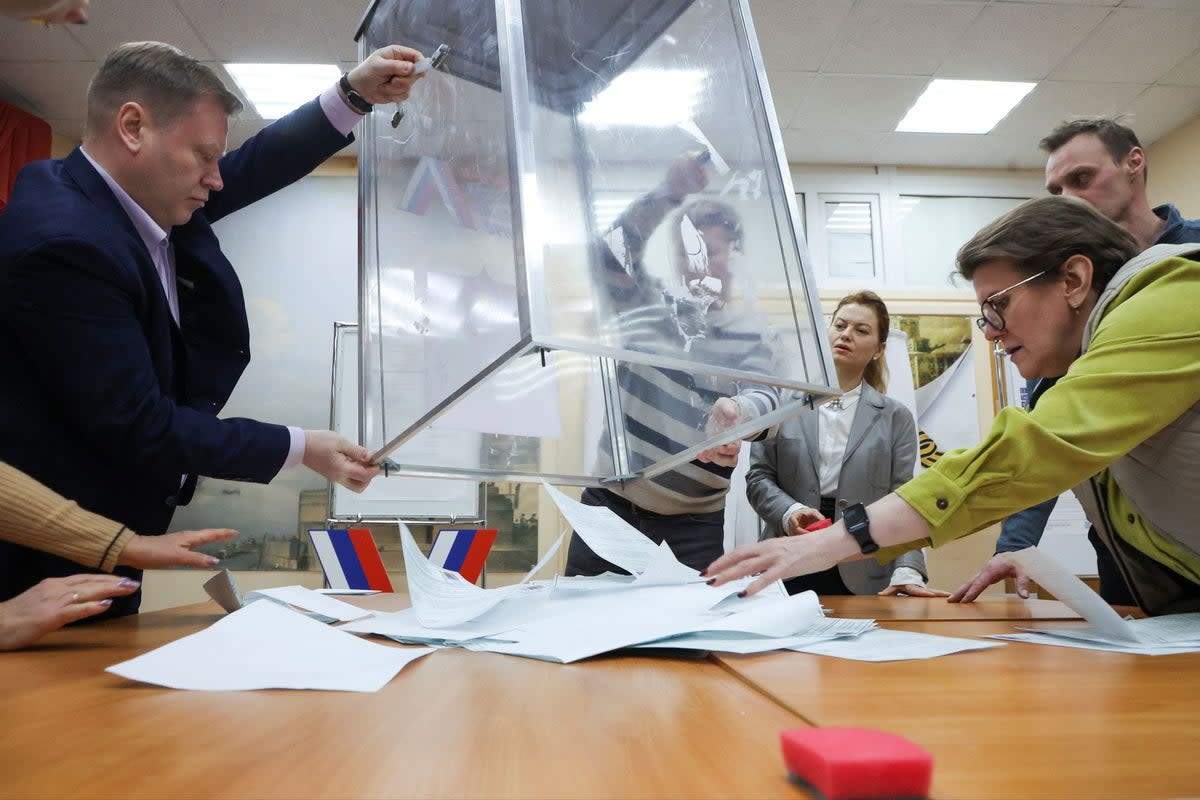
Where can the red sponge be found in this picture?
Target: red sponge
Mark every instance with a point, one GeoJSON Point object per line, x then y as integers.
{"type": "Point", "coordinates": [857, 763]}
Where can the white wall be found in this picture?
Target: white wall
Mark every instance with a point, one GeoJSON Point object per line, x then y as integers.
{"type": "Point", "coordinates": [297, 255]}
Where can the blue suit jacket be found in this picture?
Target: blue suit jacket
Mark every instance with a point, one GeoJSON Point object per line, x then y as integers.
{"type": "Point", "coordinates": [102, 396]}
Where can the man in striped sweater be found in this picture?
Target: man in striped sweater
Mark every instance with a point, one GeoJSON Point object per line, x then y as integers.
{"type": "Point", "coordinates": [667, 410]}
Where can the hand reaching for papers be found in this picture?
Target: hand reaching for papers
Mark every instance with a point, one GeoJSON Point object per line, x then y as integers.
{"type": "Point", "coordinates": [56, 602]}
{"type": "Point", "coordinates": [995, 570]}
{"type": "Point", "coordinates": [338, 459]}
{"type": "Point", "coordinates": [173, 549]}
{"type": "Point", "coordinates": [776, 558]}
{"type": "Point", "coordinates": [725, 414]}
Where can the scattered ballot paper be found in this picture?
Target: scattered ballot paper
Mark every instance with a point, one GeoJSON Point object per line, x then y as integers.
{"type": "Point", "coordinates": [889, 645]}
{"type": "Point", "coordinates": [221, 587]}
{"type": "Point", "coordinates": [442, 598]}
{"type": "Point", "coordinates": [609, 536]}
{"type": "Point", "coordinates": [1173, 633]}
{"type": "Point", "coordinates": [269, 646]}
{"type": "Point", "coordinates": [323, 607]}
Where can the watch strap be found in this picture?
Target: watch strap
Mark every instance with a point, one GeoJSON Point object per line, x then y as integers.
{"type": "Point", "coordinates": [353, 98]}
{"type": "Point", "coordinates": [861, 531]}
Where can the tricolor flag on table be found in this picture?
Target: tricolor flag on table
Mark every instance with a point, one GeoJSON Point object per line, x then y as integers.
{"type": "Point", "coordinates": [350, 559]}
{"type": "Point", "coordinates": [463, 551]}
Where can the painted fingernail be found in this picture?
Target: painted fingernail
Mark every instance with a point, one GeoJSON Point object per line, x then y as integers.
{"type": "Point", "coordinates": [742, 593]}
{"type": "Point", "coordinates": [129, 583]}
{"type": "Point", "coordinates": [711, 581]}
{"type": "Point", "coordinates": [212, 561]}
{"type": "Point", "coordinates": [106, 602]}
{"type": "Point", "coordinates": [704, 573]}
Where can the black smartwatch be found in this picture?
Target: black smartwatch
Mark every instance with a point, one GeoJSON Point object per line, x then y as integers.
{"type": "Point", "coordinates": [356, 100]}
{"type": "Point", "coordinates": [858, 526]}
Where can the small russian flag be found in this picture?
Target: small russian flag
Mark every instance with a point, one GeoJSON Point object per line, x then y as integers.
{"type": "Point", "coordinates": [350, 559]}
{"type": "Point", "coordinates": [463, 550]}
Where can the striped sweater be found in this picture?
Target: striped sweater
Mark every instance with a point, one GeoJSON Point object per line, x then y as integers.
{"type": "Point", "coordinates": [666, 410]}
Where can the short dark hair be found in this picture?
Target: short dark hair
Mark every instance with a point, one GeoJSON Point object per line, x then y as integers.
{"type": "Point", "coordinates": [715, 214]}
{"type": "Point", "coordinates": [1117, 139]}
{"type": "Point", "coordinates": [1041, 234]}
{"type": "Point", "coordinates": [163, 79]}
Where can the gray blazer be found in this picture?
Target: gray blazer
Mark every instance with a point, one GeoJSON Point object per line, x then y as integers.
{"type": "Point", "coordinates": [880, 455]}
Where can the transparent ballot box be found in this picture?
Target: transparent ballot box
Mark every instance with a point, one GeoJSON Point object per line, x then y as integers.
{"type": "Point", "coordinates": [580, 252]}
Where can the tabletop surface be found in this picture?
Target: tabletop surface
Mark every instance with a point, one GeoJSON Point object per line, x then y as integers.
{"type": "Point", "coordinates": [452, 724]}
{"type": "Point", "coordinates": [1018, 721]}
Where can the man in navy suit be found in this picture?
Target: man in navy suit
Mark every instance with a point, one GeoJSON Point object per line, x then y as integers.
{"type": "Point", "coordinates": [122, 325]}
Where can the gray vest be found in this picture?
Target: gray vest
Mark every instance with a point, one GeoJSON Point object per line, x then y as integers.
{"type": "Point", "coordinates": [1160, 477]}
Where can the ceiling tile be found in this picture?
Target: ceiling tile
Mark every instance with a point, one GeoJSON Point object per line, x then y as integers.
{"type": "Point", "coordinates": [956, 150]}
{"type": "Point", "coordinates": [25, 41]}
{"type": "Point", "coordinates": [788, 90]}
{"type": "Point", "coordinates": [899, 38]}
{"type": "Point", "coordinates": [1052, 102]}
{"type": "Point", "coordinates": [235, 30]}
{"type": "Point", "coordinates": [338, 20]}
{"type": "Point", "coordinates": [55, 89]}
{"type": "Point", "coordinates": [822, 147]}
{"type": "Point", "coordinates": [1161, 109]}
{"type": "Point", "coordinates": [856, 103]}
{"type": "Point", "coordinates": [1133, 45]}
{"type": "Point", "coordinates": [1186, 73]}
{"type": "Point", "coordinates": [1019, 41]}
{"type": "Point", "coordinates": [138, 21]}
{"type": "Point", "coordinates": [1182, 5]}
{"type": "Point", "coordinates": [797, 35]}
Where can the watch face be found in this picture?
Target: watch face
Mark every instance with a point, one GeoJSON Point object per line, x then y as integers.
{"type": "Point", "coordinates": [854, 516]}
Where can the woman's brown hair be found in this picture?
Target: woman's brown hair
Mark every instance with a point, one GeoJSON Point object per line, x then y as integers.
{"type": "Point", "coordinates": [876, 373]}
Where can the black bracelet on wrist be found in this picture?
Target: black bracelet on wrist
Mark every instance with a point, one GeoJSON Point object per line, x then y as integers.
{"type": "Point", "coordinates": [353, 98]}
{"type": "Point", "coordinates": [104, 557]}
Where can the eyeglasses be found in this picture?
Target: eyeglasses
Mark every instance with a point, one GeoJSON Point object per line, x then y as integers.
{"type": "Point", "coordinates": [993, 315]}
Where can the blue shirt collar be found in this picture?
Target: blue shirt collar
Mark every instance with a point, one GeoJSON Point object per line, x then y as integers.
{"type": "Point", "coordinates": [1177, 230]}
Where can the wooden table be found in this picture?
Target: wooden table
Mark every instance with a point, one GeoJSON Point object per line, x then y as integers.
{"type": "Point", "coordinates": [1019, 721]}
{"type": "Point", "coordinates": [936, 608]}
{"type": "Point", "coordinates": [453, 724]}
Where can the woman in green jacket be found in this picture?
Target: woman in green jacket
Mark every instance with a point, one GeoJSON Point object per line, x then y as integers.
{"type": "Point", "coordinates": [1061, 291]}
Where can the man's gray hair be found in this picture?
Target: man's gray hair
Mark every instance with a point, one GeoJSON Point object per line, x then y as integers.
{"type": "Point", "coordinates": [163, 79]}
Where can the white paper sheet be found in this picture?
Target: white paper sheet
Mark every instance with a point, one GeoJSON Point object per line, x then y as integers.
{"type": "Point", "coordinates": [444, 599]}
{"type": "Point", "coordinates": [609, 536]}
{"type": "Point", "coordinates": [517, 609]}
{"type": "Point", "coordinates": [346, 592]}
{"type": "Point", "coordinates": [220, 587]}
{"type": "Point", "coordinates": [1128, 649]}
{"type": "Point", "coordinates": [1172, 630]}
{"type": "Point", "coordinates": [825, 630]}
{"type": "Point", "coordinates": [268, 646]}
{"type": "Point", "coordinates": [663, 569]}
{"type": "Point", "coordinates": [1074, 592]}
{"type": "Point", "coordinates": [889, 645]}
{"type": "Point", "coordinates": [785, 616]}
{"type": "Point", "coordinates": [328, 608]}
{"type": "Point", "coordinates": [587, 624]}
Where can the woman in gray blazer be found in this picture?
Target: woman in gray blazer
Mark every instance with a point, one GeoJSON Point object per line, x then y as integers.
{"type": "Point", "coordinates": [854, 449]}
